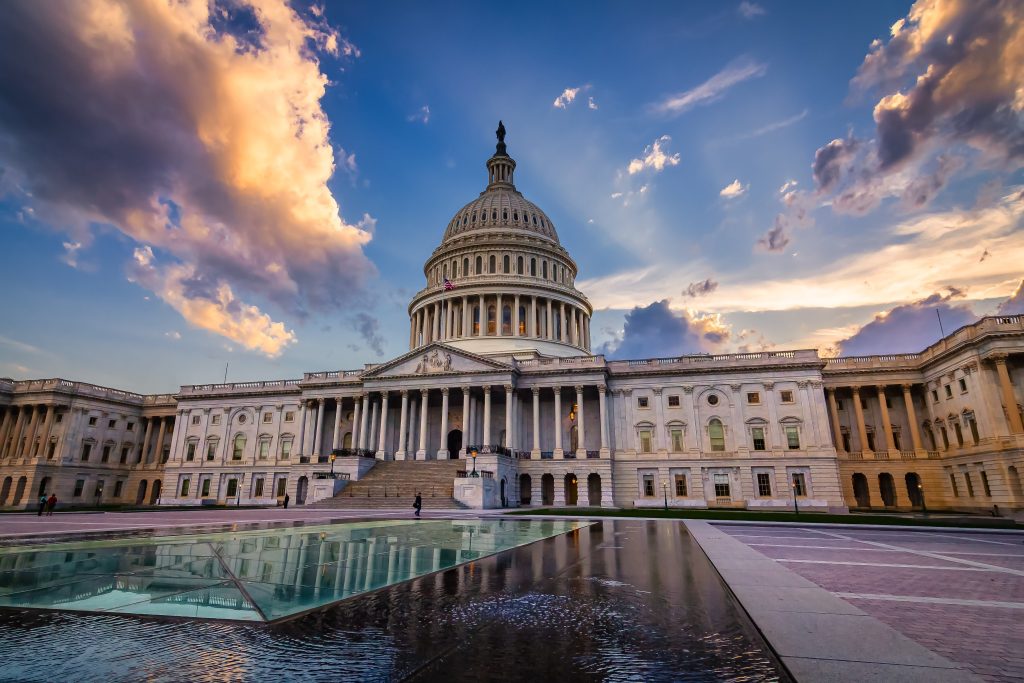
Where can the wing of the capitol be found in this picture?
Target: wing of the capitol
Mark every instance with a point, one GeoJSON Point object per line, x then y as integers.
{"type": "Point", "coordinates": [501, 402]}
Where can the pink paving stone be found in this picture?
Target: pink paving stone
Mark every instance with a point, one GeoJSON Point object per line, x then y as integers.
{"type": "Point", "coordinates": [853, 556]}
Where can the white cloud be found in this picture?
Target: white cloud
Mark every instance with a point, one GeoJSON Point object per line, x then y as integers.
{"type": "Point", "coordinates": [787, 186]}
{"type": "Point", "coordinates": [770, 127]}
{"type": "Point", "coordinates": [591, 104]}
{"type": "Point", "coordinates": [713, 88]}
{"type": "Point", "coordinates": [734, 189]}
{"type": "Point", "coordinates": [71, 249]}
{"type": "Point", "coordinates": [173, 334]}
{"type": "Point", "coordinates": [654, 157]}
{"type": "Point", "coordinates": [566, 98]}
{"type": "Point", "coordinates": [422, 115]}
{"type": "Point", "coordinates": [750, 10]}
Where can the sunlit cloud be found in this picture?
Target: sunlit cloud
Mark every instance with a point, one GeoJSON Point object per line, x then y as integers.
{"type": "Point", "coordinates": [733, 190]}
{"type": "Point", "coordinates": [654, 157]}
{"type": "Point", "coordinates": [713, 88]}
{"type": "Point", "coordinates": [566, 98]}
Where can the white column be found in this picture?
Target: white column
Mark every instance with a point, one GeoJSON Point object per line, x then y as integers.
{"type": "Point", "coordinates": [563, 333]}
{"type": "Point", "coordinates": [581, 446]}
{"type": "Point", "coordinates": [500, 315]}
{"type": "Point", "coordinates": [410, 448]}
{"type": "Point", "coordinates": [335, 443]}
{"type": "Point", "coordinates": [487, 417]}
{"type": "Point", "coordinates": [471, 440]}
{"type": "Point", "coordinates": [532, 323]}
{"type": "Point", "coordinates": [558, 423]}
{"type": "Point", "coordinates": [437, 322]}
{"type": "Point", "coordinates": [603, 408]}
{"type": "Point", "coordinates": [482, 318]}
{"type": "Point", "coordinates": [318, 435]}
{"type": "Point", "coordinates": [465, 318]}
{"type": "Point", "coordinates": [402, 424]}
{"type": "Point", "coordinates": [659, 418]}
{"type": "Point", "coordinates": [465, 421]}
{"type": "Point", "coordinates": [364, 401]}
{"type": "Point", "coordinates": [515, 316]}
{"type": "Point", "coordinates": [508, 416]}
{"type": "Point", "coordinates": [548, 332]}
{"type": "Point", "coordinates": [159, 440]}
{"type": "Point", "coordinates": [536, 423]}
{"type": "Point", "coordinates": [442, 449]}
{"type": "Point", "coordinates": [908, 403]}
{"type": "Point", "coordinates": [421, 452]}
{"type": "Point", "coordinates": [382, 442]}
{"type": "Point", "coordinates": [356, 432]}
{"type": "Point", "coordinates": [374, 422]}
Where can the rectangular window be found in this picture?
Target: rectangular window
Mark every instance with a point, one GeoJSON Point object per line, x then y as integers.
{"type": "Point", "coordinates": [190, 451]}
{"type": "Point", "coordinates": [753, 397]}
{"type": "Point", "coordinates": [839, 404]}
{"type": "Point", "coordinates": [896, 439]}
{"type": "Point", "coordinates": [677, 440]}
{"type": "Point", "coordinates": [673, 401]}
{"type": "Point", "coordinates": [184, 488]}
{"type": "Point", "coordinates": [195, 419]}
{"type": "Point", "coordinates": [970, 484]}
{"type": "Point", "coordinates": [952, 483]}
{"type": "Point", "coordinates": [792, 437]}
{"type": "Point", "coordinates": [935, 396]}
{"type": "Point", "coordinates": [79, 487]}
{"type": "Point", "coordinates": [86, 450]}
{"type": "Point", "coordinates": [232, 488]}
{"type": "Point", "coordinates": [945, 437]}
{"type": "Point", "coordinates": [236, 451]}
{"type": "Point", "coordinates": [645, 440]}
{"type": "Point", "coordinates": [799, 485]}
{"type": "Point", "coordinates": [642, 402]}
{"type": "Point", "coordinates": [259, 488]}
{"type": "Point", "coordinates": [58, 418]}
{"type": "Point", "coordinates": [106, 454]}
{"type": "Point", "coordinates": [215, 420]}
{"type": "Point", "coordinates": [289, 416]}
{"type": "Point", "coordinates": [282, 483]}
{"type": "Point", "coordinates": [130, 427]}
{"type": "Point", "coordinates": [722, 486]}
{"type": "Point", "coordinates": [92, 421]}
{"type": "Point", "coordinates": [984, 484]}
{"type": "Point", "coordinates": [268, 418]}
{"type": "Point", "coordinates": [286, 449]}
{"type": "Point", "coordinates": [959, 434]}
{"type": "Point", "coordinates": [963, 385]}
{"type": "Point", "coordinates": [949, 391]}
{"type": "Point", "coordinates": [864, 403]}
{"type": "Point", "coordinates": [680, 485]}
{"type": "Point", "coordinates": [51, 451]}
{"type": "Point", "coordinates": [871, 441]}
{"type": "Point", "coordinates": [974, 429]}
{"type": "Point", "coordinates": [649, 485]}
{"type": "Point", "coordinates": [124, 454]}
{"type": "Point", "coordinates": [764, 484]}
{"type": "Point", "coordinates": [118, 488]}
{"type": "Point", "coordinates": [205, 491]}
{"type": "Point", "coordinates": [264, 449]}
{"type": "Point", "coordinates": [758, 434]}
{"type": "Point", "coordinates": [211, 450]}
{"type": "Point", "coordinates": [111, 424]}
{"type": "Point", "coordinates": [786, 396]}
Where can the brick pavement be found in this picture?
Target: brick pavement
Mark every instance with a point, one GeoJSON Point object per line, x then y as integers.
{"type": "Point", "coordinates": [984, 573]}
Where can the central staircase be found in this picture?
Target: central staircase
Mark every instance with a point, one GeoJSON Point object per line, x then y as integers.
{"type": "Point", "coordinates": [394, 483]}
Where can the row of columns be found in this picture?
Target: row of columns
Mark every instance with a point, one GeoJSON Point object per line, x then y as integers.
{"type": "Point", "coordinates": [858, 410]}
{"type": "Point", "coordinates": [451, 317]}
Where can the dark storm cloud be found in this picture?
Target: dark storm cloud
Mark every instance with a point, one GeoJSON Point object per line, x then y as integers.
{"type": "Point", "coordinates": [656, 330]}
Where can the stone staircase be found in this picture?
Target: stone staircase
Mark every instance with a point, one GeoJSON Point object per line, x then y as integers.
{"type": "Point", "coordinates": [394, 483]}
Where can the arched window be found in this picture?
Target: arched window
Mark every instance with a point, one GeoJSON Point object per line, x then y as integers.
{"type": "Point", "coordinates": [494, 214]}
{"type": "Point", "coordinates": [505, 264]}
{"type": "Point", "coordinates": [465, 266]}
{"type": "Point", "coordinates": [445, 273]}
{"type": "Point", "coordinates": [522, 321]}
{"type": "Point", "coordinates": [238, 447]}
{"type": "Point", "coordinates": [534, 216]}
{"type": "Point", "coordinates": [544, 269]}
{"type": "Point", "coordinates": [504, 214]}
{"type": "Point", "coordinates": [492, 262]}
{"type": "Point", "coordinates": [519, 266]}
{"type": "Point", "coordinates": [476, 320]}
{"type": "Point", "coordinates": [515, 216]}
{"type": "Point", "coordinates": [492, 320]}
{"type": "Point", "coordinates": [474, 216]}
{"type": "Point", "coordinates": [479, 265]}
{"type": "Point", "coordinates": [716, 434]}
{"type": "Point", "coordinates": [506, 320]}
{"type": "Point", "coordinates": [533, 267]}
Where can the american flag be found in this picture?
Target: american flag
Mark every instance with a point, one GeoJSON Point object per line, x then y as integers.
{"type": "Point", "coordinates": [448, 285]}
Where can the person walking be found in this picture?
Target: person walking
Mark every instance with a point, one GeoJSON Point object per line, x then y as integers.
{"type": "Point", "coordinates": [286, 499]}
{"type": "Point", "coordinates": [51, 504]}
{"type": "Point", "coordinates": [42, 505]}
{"type": "Point", "coordinates": [417, 504]}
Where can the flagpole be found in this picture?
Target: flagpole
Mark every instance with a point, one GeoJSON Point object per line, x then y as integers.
{"type": "Point", "coordinates": [941, 331]}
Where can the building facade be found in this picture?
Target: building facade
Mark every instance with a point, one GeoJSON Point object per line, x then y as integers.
{"type": "Point", "coordinates": [500, 364]}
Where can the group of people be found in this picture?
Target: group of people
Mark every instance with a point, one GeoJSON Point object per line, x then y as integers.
{"type": "Point", "coordinates": [47, 504]}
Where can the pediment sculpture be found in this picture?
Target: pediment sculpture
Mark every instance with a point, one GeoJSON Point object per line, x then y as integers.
{"type": "Point", "coordinates": [435, 361]}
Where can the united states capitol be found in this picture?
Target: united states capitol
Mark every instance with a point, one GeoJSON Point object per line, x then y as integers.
{"type": "Point", "coordinates": [500, 402]}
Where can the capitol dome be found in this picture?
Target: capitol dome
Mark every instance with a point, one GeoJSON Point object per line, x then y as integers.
{"type": "Point", "coordinates": [500, 282]}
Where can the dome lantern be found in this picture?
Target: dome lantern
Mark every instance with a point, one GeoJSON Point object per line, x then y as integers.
{"type": "Point", "coordinates": [500, 167]}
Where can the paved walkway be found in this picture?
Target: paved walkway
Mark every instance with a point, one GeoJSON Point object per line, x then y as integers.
{"type": "Point", "coordinates": [29, 525]}
{"type": "Point", "coordinates": [958, 594]}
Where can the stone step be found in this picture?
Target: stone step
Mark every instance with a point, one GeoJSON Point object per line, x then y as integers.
{"type": "Point", "coordinates": [394, 484]}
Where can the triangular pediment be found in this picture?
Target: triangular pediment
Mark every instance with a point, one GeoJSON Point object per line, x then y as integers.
{"type": "Point", "coordinates": [436, 359]}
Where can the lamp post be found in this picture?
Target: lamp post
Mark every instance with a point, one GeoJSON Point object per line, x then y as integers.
{"type": "Point", "coordinates": [796, 505]}
{"type": "Point", "coordinates": [920, 492]}
{"type": "Point", "coordinates": [332, 465]}
{"type": "Point", "coordinates": [664, 490]}
{"type": "Point", "coordinates": [473, 454]}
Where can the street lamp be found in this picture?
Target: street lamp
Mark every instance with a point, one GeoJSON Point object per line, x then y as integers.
{"type": "Point", "coordinates": [920, 492]}
{"type": "Point", "coordinates": [332, 465]}
{"type": "Point", "coordinates": [472, 453]}
{"type": "Point", "coordinates": [796, 505]}
{"type": "Point", "coordinates": [664, 490]}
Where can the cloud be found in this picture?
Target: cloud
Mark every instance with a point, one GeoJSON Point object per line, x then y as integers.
{"type": "Point", "coordinates": [700, 288]}
{"type": "Point", "coordinates": [787, 186]}
{"type": "Point", "coordinates": [209, 305]}
{"type": "Point", "coordinates": [776, 239]}
{"type": "Point", "coordinates": [347, 163]}
{"type": "Point", "coordinates": [1015, 304]}
{"type": "Point", "coordinates": [909, 328]}
{"type": "Point", "coordinates": [771, 127]}
{"type": "Point", "coordinates": [713, 88]}
{"type": "Point", "coordinates": [566, 98]}
{"type": "Point", "coordinates": [591, 104]}
{"type": "Point", "coordinates": [173, 334]}
{"type": "Point", "coordinates": [19, 345]}
{"type": "Point", "coordinates": [750, 10]}
{"type": "Point", "coordinates": [656, 331]}
{"type": "Point", "coordinates": [421, 115]}
{"type": "Point", "coordinates": [734, 189]}
{"type": "Point", "coordinates": [71, 249]}
{"type": "Point", "coordinates": [654, 157]}
{"type": "Point", "coordinates": [832, 161]}
{"type": "Point", "coordinates": [368, 328]}
{"type": "Point", "coordinates": [201, 142]}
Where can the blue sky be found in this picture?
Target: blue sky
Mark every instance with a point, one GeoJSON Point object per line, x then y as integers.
{"type": "Point", "coordinates": [159, 221]}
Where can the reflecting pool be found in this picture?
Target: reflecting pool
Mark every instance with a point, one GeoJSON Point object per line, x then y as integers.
{"type": "Point", "coordinates": [619, 600]}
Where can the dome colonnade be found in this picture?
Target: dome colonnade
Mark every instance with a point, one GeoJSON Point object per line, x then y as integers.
{"type": "Point", "coordinates": [500, 281]}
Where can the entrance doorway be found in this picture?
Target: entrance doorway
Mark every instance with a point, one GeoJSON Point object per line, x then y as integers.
{"type": "Point", "coordinates": [888, 489]}
{"type": "Point", "coordinates": [525, 489]}
{"type": "Point", "coordinates": [504, 502]}
{"type": "Point", "coordinates": [141, 497]}
{"type": "Point", "coordinates": [594, 490]}
{"type": "Point", "coordinates": [860, 490]}
{"type": "Point", "coordinates": [914, 491]}
{"type": "Point", "coordinates": [547, 489]}
{"type": "Point", "coordinates": [155, 495]}
{"type": "Point", "coordinates": [300, 491]}
{"type": "Point", "coordinates": [454, 443]}
{"type": "Point", "coordinates": [571, 495]}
